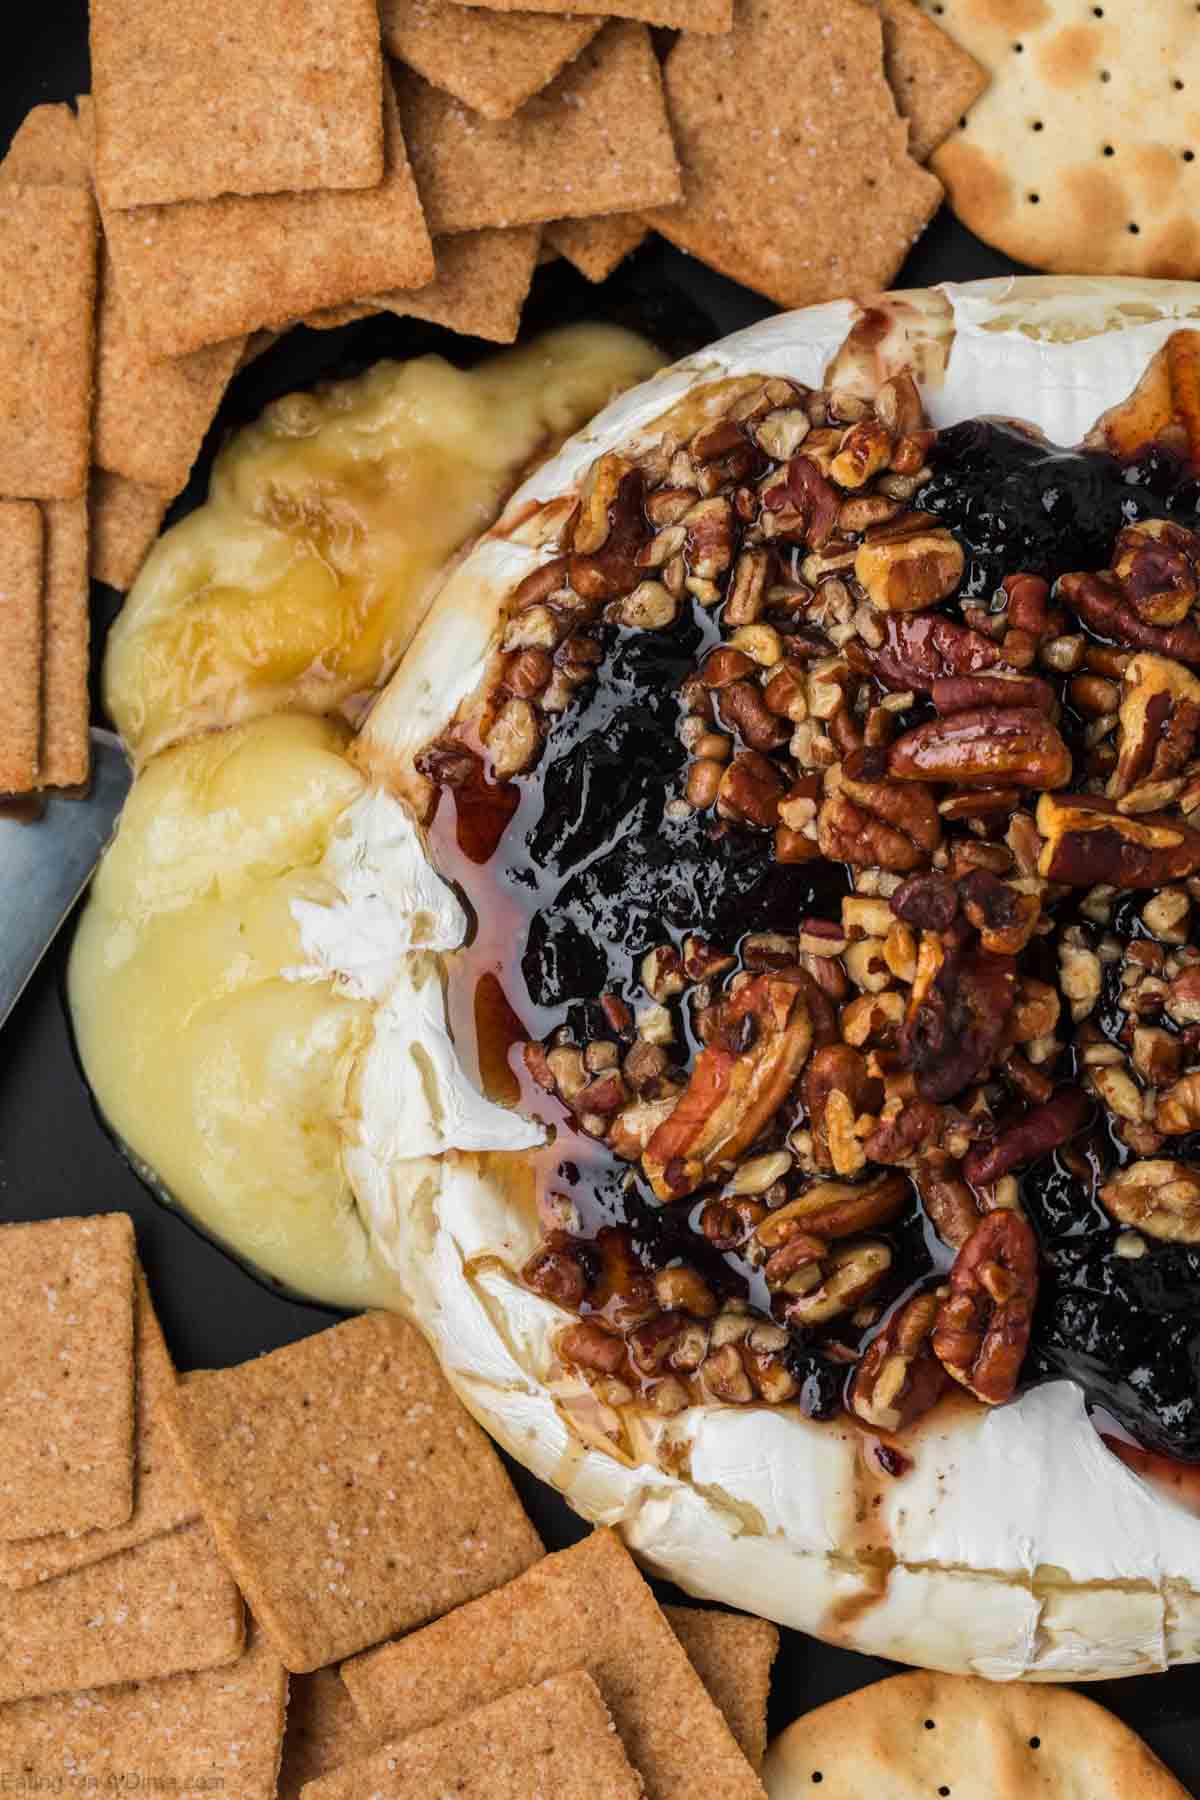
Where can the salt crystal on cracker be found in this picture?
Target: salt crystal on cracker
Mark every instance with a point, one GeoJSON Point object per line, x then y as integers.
{"type": "Point", "coordinates": [491, 61]}
{"type": "Point", "coordinates": [796, 174]}
{"type": "Point", "coordinates": [47, 302]}
{"type": "Point", "coordinates": [166, 1606]}
{"type": "Point", "coordinates": [66, 1375]}
{"type": "Point", "coordinates": [934, 81]}
{"type": "Point", "coordinates": [234, 97]}
{"type": "Point", "coordinates": [554, 1739]}
{"type": "Point", "coordinates": [125, 521]}
{"type": "Point", "coordinates": [163, 1496]}
{"type": "Point", "coordinates": [198, 274]}
{"type": "Point", "coordinates": [587, 1605]}
{"type": "Point", "coordinates": [596, 246]}
{"type": "Point", "coordinates": [21, 627]}
{"type": "Point", "coordinates": [732, 1654]}
{"type": "Point", "coordinates": [323, 1731]}
{"type": "Point", "coordinates": [595, 141]}
{"type": "Point", "coordinates": [219, 1729]}
{"type": "Point", "coordinates": [349, 1491]}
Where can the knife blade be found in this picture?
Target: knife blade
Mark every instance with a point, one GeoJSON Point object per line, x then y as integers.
{"type": "Point", "coordinates": [47, 861]}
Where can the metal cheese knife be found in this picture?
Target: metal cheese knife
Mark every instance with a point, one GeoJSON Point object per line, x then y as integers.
{"type": "Point", "coordinates": [46, 862]}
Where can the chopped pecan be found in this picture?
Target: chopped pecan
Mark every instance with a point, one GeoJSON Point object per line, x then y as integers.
{"type": "Point", "coordinates": [593, 521]}
{"type": "Point", "coordinates": [709, 544]}
{"type": "Point", "coordinates": [960, 693]}
{"type": "Point", "coordinates": [1103, 604]}
{"type": "Point", "coordinates": [836, 1089]}
{"type": "Point", "coordinates": [731, 1096]}
{"type": "Point", "coordinates": [899, 1377]}
{"type": "Point", "coordinates": [833, 1209]}
{"type": "Point", "coordinates": [909, 572]}
{"type": "Point", "coordinates": [845, 1277]}
{"type": "Point", "coordinates": [1161, 1198]}
{"type": "Point", "coordinates": [948, 1201]}
{"type": "Point", "coordinates": [742, 708]}
{"type": "Point", "coordinates": [919, 649]}
{"type": "Point", "coordinates": [907, 1136]}
{"type": "Point", "coordinates": [1155, 562]}
{"type": "Point", "coordinates": [984, 747]}
{"type": "Point", "coordinates": [1178, 1110]}
{"type": "Point", "coordinates": [593, 1346]}
{"type": "Point", "coordinates": [873, 824]}
{"type": "Point", "coordinates": [804, 503]}
{"type": "Point", "coordinates": [612, 570]}
{"type": "Point", "coordinates": [514, 739]}
{"type": "Point", "coordinates": [1089, 841]}
{"type": "Point", "coordinates": [558, 1270]}
{"type": "Point", "coordinates": [1004, 918]}
{"type": "Point", "coordinates": [930, 902]}
{"type": "Point", "coordinates": [1159, 722]}
{"type": "Point", "coordinates": [1040, 1130]}
{"type": "Point", "coordinates": [865, 449]}
{"type": "Point", "coordinates": [958, 1014]}
{"type": "Point", "coordinates": [750, 790]}
{"type": "Point", "coordinates": [983, 1326]}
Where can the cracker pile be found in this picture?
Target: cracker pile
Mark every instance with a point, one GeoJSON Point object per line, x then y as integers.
{"type": "Point", "coordinates": [339, 1490]}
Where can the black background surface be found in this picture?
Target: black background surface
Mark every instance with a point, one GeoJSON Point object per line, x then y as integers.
{"type": "Point", "coordinates": [54, 1156]}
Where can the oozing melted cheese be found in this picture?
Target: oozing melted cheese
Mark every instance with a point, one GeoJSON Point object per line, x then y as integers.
{"type": "Point", "coordinates": [302, 579]}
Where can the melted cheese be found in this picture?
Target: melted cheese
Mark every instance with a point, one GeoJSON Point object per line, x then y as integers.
{"type": "Point", "coordinates": [302, 579]}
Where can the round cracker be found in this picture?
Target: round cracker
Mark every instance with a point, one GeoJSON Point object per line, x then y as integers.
{"type": "Point", "coordinates": [1083, 155]}
{"type": "Point", "coordinates": [919, 1735]}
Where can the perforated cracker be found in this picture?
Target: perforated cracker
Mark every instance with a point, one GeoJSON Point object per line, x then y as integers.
{"type": "Point", "coordinates": [66, 1375]}
{"type": "Point", "coordinates": [732, 1654]}
{"type": "Point", "coordinates": [167, 1606]}
{"type": "Point", "coordinates": [595, 141]}
{"type": "Point", "coordinates": [198, 274]}
{"type": "Point", "coordinates": [234, 97]}
{"type": "Point", "coordinates": [217, 1732]}
{"type": "Point", "coordinates": [584, 1606]}
{"type": "Point", "coordinates": [125, 521]}
{"type": "Point", "coordinates": [491, 61]}
{"type": "Point", "coordinates": [349, 1491]}
{"type": "Point", "coordinates": [47, 302]}
{"type": "Point", "coordinates": [802, 187]}
{"type": "Point", "coordinates": [163, 1497]}
{"type": "Point", "coordinates": [21, 590]}
{"type": "Point", "coordinates": [553, 1739]}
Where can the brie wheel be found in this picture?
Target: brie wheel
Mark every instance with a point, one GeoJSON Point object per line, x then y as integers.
{"type": "Point", "coordinates": [1017, 1546]}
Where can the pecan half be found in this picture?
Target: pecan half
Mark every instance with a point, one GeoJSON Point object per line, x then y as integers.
{"type": "Point", "coordinates": [1088, 841]}
{"type": "Point", "coordinates": [959, 693]}
{"type": "Point", "coordinates": [1040, 1130]}
{"type": "Point", "coordinates": [919, 649]}
{"type": "Point", "coordinates": [948, 1201]}
{"type": "Point", "coordinates": [804, 503]}
{"type": "Point", "coordinates": [983, 1326]}
{"type": "Point", "coordinates": [845, 1277]}
{"type": "Point", "coordinates": [1161, 1198]}
{"type": "Point", "coordinates": [833, 1209]}
{"type": "Point", "coordinates": [1178, 1111]}
{"type": "Point", "coordinates": [750, 790]}
{"type": "Point", "coordinates": [1102, 603]}
{"type": "Point", "coordinates": [613, 570]}
{"type": "Point", "coordinates": [1159, 722]}
{"type": "Point", "coordinates": [730, 1096]}
{"type": "Point", "coordinates": [910, 571]}
{"type": "Point", "coordinates": [875, 825]}
{"type": "Point", "coordinates": [899, 1377]}
{"type": "Point", "coordinates": [958, 1014]}
{"type": "Point", "coordinates": [1155, 563]}
{"type": "Point", "coordinates": [984, 747]}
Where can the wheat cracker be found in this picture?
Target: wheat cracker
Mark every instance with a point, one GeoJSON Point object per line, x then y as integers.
{"type": "Point", "coordinates": [700, 16]}
{"type": "Point", "coordinates": [1083, 156]}
{"type": "Point", "coordinates": [323, 1731]}
{"type": "Point", "coordinates": [595, 141]}
{"type": "Point", "coordinates": [163, 1496]}
{"type": "Point", "coordinates": [199, 274]}
{"type": "Point", "coordinates": [220, 1729]}
{"type": "Point", "coordinates": [584, 1606]}
{"type": "Point", "coordinates": [21, 633]}
{"type": "Point", "coordinates": [491, 61]}
{"type": "Point", "coordinates": [234, 97]}
{"type": "Point", "coordinates": [596, 246]}
{"type": "Point", "coordinates": [47, 304]}
{"type": "Point", "coordinates": [732, 1654]}
{"type": "Point", "coordinates": [163, 1607]}
{"type": "Point", "coordinates": [66, 1375]}
{"type": "Point", "coordinates": [801, 188]}
{"type": "Point", "coordinates": [924, 1734]}
{"type": "Point", "coordinates": [65, 756]}
{"type": "Point", "coordinates": [349, 1491]}
{"type": "Point", "coordinates": [125, 521]}
{"type": "Point", "coordinates": [480, 287]}
{"type": "Point", "coordinates": [935, 81]}
{"type": "Point", "coordinates": [555, 1739]}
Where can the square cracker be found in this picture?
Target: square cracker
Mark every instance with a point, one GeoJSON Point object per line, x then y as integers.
{"type": "Point", "coordinates": [234, 97]}
{"type": "Point", "coordinates": [348, 1490]}
{"type": "Point", "coordinates": [66, 752]}
{"type": "Point", "coordinates": [823, 201]}
{"type": "Point", "coordinates": [935, 81]}
{"type": "Point", "coordinates": [66, 1375]}
{"type": "Point", "coordinates": [218, 1728]}
{"type": "Point", "coordinates": [199, 274]}
{"type": "Point", "coordinates": [163, 1495]}
{"type": "Point", "coordinates": [166, 1606]}
{"type": "Point", "coordinates": [323, 1731]}
{"type": "Point", "coordinates": [47, 300]}
{"type": "Point", "coordinates": [595, 141]}
{"type": "Point", "coordinates": [596, 246]}
{"type": "Point", "coordinates": [587, 1605]}
{"type": "Point", "coordinates": [492, 61]}
{"type": "Point", "coordinates": [126, 518]}
{"type": "Point", "coordinates": [677, 15]}
{"type": "Point", "coordinates": [553, 1739]}
{"type": "Point", "coordinates": [732, 1654]}
{"type": "Point", "coordinates": [480, 287]}
{"type": "Point", "coordinates": [21, 628]}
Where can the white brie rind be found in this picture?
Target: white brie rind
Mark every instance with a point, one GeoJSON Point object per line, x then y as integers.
{"type": "Point", "coordinates": [1016, 1545]}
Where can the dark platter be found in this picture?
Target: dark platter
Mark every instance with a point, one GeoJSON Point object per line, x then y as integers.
{"type": "Point", "coordinates": [54, 1156]}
